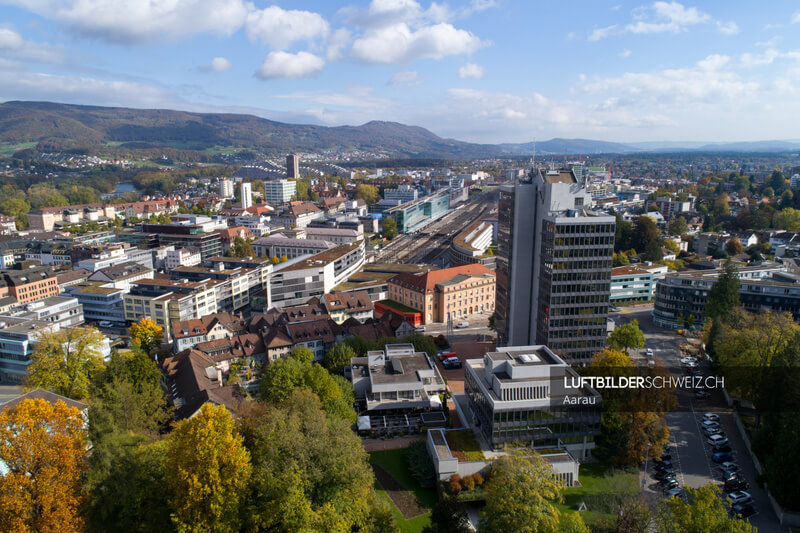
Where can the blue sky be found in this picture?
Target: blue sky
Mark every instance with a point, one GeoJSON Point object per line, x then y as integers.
{"type": "Point", "coordinates": [479, 70]}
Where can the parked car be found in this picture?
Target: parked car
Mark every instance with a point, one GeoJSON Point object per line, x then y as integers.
{"type": "Point", "coordinates": [713, 431]}
{"type": "Point", "coordinates": [722, 457]}
{"type": "Point", "coordinates": [702, 395]}
{"type": "Point", "coordinates": [445, 355]}
{"type": "Point", "coordinates": [688, 360]}
{"type": "Point", "coordinates": [743, 510]}
{"type": "Point", "coordinates": [736, 484]}
{"type": "Point", "coordinates": [714, 417]}
{"type": "Point", "coordinates": [462, 325]}
{"type": "Point", "coordinates": [105, 323]}
{"type": "Point", "coordinates": [452, 362]}
{"type": "Point", "coordinates": [672, 484]}
{"type": "Point", "coordinates": [663, 475]}
{"type": "Point", "coordinates": [419, 329]}
{"type": "Point", "coordinates": [709, 424]}
{"type": "Point", "coordinates": [666, 456]}
{"type": "Point", "coordinates": [677, 492]}
{"type": "Point", "coordinates": [740, 496]}
{"type": "Point", "coordinates": [729, 466]}
{"type": "Point", "coordinates": [649, 353]}
{"type": "Point", "coordinates": [717, 440]}
{"type": "Point", "coordinates": [722, 448]}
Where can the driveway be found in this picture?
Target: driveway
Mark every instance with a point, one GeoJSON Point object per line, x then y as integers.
{"type": "Point", "coordinates": [691, 454]}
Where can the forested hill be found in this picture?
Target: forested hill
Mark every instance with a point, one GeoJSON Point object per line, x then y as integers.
{"type": "Point", "coordinates": [63, 126]}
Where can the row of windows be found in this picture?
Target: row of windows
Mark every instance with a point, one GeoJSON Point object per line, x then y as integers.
{"type": "Point", "coordinates": [569, 229]}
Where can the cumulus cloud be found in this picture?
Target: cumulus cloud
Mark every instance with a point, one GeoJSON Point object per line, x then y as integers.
{"type": "Point", "coordinates": [218, 64]}
{"type": "Point", "coordinates": [9, 39]}
{"type": "Point", "coordinates": [625, 53]}
{"type": "Point", "coordinates": [135, 21]}
{"type": "Point", "coordinates": [796, 17]}
{"type": "Point", "coordinates": [14, 46]}
{"type": "Point", "coordinates": [280, 64]}
{"type": "Point", "coordinates": [728, 28]}
{"type": "Point", "coordinates": [279, 28]}
{"type": "Point", "coordinates": [662, 17]}
{"type": "Point", "coordinates": [405, 79]}
{"type": "Point", "coordinates": [471, 70]}
{"type": "Point", "coordinates": [337, 43]}
{"type": "Point", "coordinates": [401, 44]}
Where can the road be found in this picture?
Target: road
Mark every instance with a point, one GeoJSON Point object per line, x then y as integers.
{"type": "Point", "coordinates": [691, 454]}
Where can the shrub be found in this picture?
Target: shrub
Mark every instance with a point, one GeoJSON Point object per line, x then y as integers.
{"type": "Point", "coordinates": [468, 483]}
{"type": "Point", "coordinates": [454, 485]}
{"type": "Point", "coordinates": [478, 479]}
{"type": "Point", "coordinates": [419, 464]}
{"type": "Point", "coordinates": [440, 341]}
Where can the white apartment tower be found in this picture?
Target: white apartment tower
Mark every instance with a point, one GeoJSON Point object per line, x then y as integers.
{"type": "Point", "coordinates": [225, 188]}
{"type": "Point", "coordinates": [247, 195]}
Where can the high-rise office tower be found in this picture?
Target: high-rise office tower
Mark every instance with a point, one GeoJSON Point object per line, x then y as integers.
{"type": "Point", "coordinates": [247, 194]}
{"type": "Point", "coordinates": [554, 262]}
{"type": "Point", "coordinates": [293, 166]}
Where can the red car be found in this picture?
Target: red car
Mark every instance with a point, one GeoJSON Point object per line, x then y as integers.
{"type": "Point", "coordinates": [444, 355]}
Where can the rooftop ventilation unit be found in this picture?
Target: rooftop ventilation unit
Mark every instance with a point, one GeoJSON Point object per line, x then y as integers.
{"type": "Point", "coordinates": [528, 358]}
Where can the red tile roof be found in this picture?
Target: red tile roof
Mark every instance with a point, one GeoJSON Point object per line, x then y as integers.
{"type": "Point", "coordinates": [427, 281]}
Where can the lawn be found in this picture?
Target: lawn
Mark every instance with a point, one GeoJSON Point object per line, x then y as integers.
{"type": "Point", "coordinates": [398, 306]}
{"type": "Point", "coordinates": [414, 525]}
{"type": "Point", "coordinates": [10, 148]}
{"type": "Point", "coordinates": [464, 445]}
{"type": "Point", "coordinates": [600, 487]}
{"type": "Point", "coordinates": [394, 462]}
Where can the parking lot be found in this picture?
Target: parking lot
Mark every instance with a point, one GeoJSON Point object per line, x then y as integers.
{"type": "Point", "coordinates": [691, 454]}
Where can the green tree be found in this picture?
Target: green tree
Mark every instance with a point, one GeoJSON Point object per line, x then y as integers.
{"type": "Point", "coordinates": [207, 471]}
{"type": "Point", "coordinates": [282, 377]}
{"type": "Point", "coordinates": [241, 248]}
{"type": "Point", "coordinates": [678, 226]}
{"type": "Point", "coordinates": [310, 470]}
{"type": "Point", "coordinates": [302, 353]}
{"type": "Point", "coordinates": [626, 337]}
{"type": "Point", "coordinates": [448, 516]}
{"type": "Point", "coordinates": [389, 227]}
{"type": "Point", "coordinates": [703, 510]}
{"type": "Point", "coordinates": [788, 219]}
{"type": "Point", "coordinates": [519, 493]}
{"type": "Point", "coordinates": [690, 321]}
{"type": "Point", "coordinates": [66, 361]}
{"type": "Point", "coordinates": [646, 238]}
{"type": "Point", "coordinates": [368, 193]}
{"type": "Point", "coordinates": [734, 246]}
{"type": "Point", "coordinates": [777, 181]}
{"type": "Point", "coordinates": [491, 325]}
{"type": "Point", "coordinates": [146, 333]}
{"type": "Point", "coordinates": [572, 523]}
{"type": "Point", "coordinates": [620, 259]}
{"type": "Point", "coordinates": [338, 357]}
{"type": "Point", "coordinates": [724, 294]}
{"type": "Point", "coordinates": [623, 234]}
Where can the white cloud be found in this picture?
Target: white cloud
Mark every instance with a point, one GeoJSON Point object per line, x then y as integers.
{"type": "Point", "coordinates": [625, 53]}
{"type": "Point", "coordinates": [279, 27]}
{"type": "Point", "coordinates": [285, 65]}
{"type": "Point", "coordinates": [667, 17]}
{"type": "Point", "coordinates": [770, 42]}
{"type": "Point", "coordinates": [137, 21]}
{"type": "Point", "coordinates": [381, 13]}
{"type": "Point", "coordinates": [728, 28]}
{"type": "Point", "coordinates": [10, 39]}
{"type": "Point", "coordinates": [796, 17]}
{"type": "Point", "coordinates": [756, 60]}
{"type": "Point", "coordinates": [601, 33]}
{"type": "Point", "coordinates": [405, 79]}
{"type": "Point", "coordinates": [401, 44]}
{"type": "Point", "coordinates": [471, 70]}
{"type": "Point", "coordinates": [337, 42]}
{"type": "Point", "coordinates": [218, 64]}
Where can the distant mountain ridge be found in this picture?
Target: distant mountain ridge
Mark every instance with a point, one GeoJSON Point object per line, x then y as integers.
{"type": "Point", "coordinates": [94, 128]}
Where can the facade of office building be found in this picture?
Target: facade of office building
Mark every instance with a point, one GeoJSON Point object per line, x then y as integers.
{"type": "Point", "coordinates": [277, 192]}
{"type": "Point", "coordinates": [517, 394]}
{"type": "Point", "coordinates": [762, 287]}
{"type": "Point", "coordinates": [18, 338]}
{"type": "Point", "coordinates": [100, 301]}
{"type": "Point", "coordinates": [416, 215]}
{"type": "Point", "coordinates": [293, 166]}
{"type": "Point", "coordinates": [553, 266]}
{"type": "Point", "coordinates": [630, 284]}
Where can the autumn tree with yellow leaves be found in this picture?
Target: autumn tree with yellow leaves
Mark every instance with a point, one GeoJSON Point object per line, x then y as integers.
{"type": "Point", "coordinates": [42, 445]}
{"type": "Point", "coordinates": [146, 333]}
{"type": "Point", "coordinates": [208, 469]}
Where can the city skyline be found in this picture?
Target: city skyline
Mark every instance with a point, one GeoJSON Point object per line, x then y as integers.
{"type": "Point", "coordinates": [482, 71]}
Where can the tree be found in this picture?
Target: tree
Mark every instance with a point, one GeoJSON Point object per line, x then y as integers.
{"type": "Point", "coordinates": [703, 510]}
{"type": "Point", "coordinates": [338, 357]}
{"type": "Point", "coordinates": [208, 469]}
{"type": "Point", "coordinates": [302, 353]}
{"type": "Point", "coordinates": [275, 260]}
{"type": "Point", "coordinates": [777, 181]}
{"type": "Point", "coordinates": [678, 226]}
{"type": "Point", "coordinates": [448, 516]}
{"type": "Point", "coordinates": [146, 333]}
{"type": "Point", "coordinates": [491, 325]}
{"type": "Point", "coordinates": [788, 219]}
{"type": "Point", "coordinates": [282, 377]}
{"type": "Point", "coordinates": [42, 445]}
{"type": "Point", "coordinates": [389, 227]}
{"type": "Point", "coordinates": [310, 470]}
{"type": "Point", "coordinates": [734, 246]}
{"type": "Point", "coordinates": [519, 494]}
{"type": "Point", "coordinates": [241, 248]}
{"type": "Point", "coordinates": [572, 523]}
{"type": "Point", "coordinates": [626, 337]}
{"type": "Point", "coordinates": [65, 361]}
{"type": "Point", "coordinates": [646, 238]}
{"type": "Point", "coordinates": [623, 233]}
{"type": "Point", "coordinates": [690, 321]}
{"type": "Point", "coordinates": [368, 193]}
{"type": "Point", "coordinates": [724, 294]}
{"type": "Point", "coordinates": [620, 259]}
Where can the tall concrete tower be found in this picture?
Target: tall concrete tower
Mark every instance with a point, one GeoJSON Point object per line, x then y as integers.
{"type": "Point", "coordinates": [247, 194]}
{"type": "Point", "coordinates": [293, 166]}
